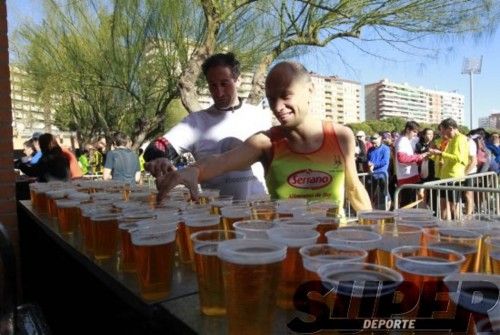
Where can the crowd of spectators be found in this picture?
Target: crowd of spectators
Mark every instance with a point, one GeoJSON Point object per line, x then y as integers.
{"type": "Point", "coordinates": [421, 155]}
{"type": "Point", "coordinates": [388, 159]}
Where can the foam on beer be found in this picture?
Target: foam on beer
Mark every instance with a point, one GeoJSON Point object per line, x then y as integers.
{"type": "Point", "coordinates": [316, 255]}
{"type": "Point", "coordinates": [306, 223]}
{"type": "Point", "coordinates": [201, 221]}
{"type": "Point", "coordinates": [366, 240]}
{"type": "Point", "coordinates": [395, 235]}
{"type": "Point", "coordinates": [153, 235]}
{"type": "Point", "coordinates": [78, 196]}
{"type": "Point", "coordinates": [67, 203]}
{"type": "Point", "coordinates": [293, 237]}
{"type": "Point", "coordinates": [251, 252]}
{"type": "Point", "coordinates": [235, 211]}
{"type": "Point", "coordinates": [254, 228]}
{"type": "Point", "coordinates": [360, 279]}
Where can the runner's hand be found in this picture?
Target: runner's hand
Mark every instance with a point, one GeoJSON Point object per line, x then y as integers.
{"type": "Point", "coordinates": [187, 177]}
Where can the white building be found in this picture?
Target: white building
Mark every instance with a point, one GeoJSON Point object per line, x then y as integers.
{"type": "Point", "coordinates": [385, 99]}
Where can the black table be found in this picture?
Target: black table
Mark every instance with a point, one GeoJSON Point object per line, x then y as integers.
{"type": "Point", "coordinates": [80, 296]}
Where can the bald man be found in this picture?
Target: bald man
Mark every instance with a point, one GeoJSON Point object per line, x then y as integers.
{"type": "Point", "coordinates": [304, 157]}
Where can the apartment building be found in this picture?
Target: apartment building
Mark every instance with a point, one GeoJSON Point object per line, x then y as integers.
{"type": "Point", "coordinates": [492, 121]}
{"type": "Point", "coordinates": [336, 99]}
{"type": "Point", "coordinates": [386, 99]}
{"type": "Point", "coordinates": [28, 115]}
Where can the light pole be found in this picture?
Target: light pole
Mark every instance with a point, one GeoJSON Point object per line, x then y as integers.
{"type": "Point", "coordinates": [472, 66]}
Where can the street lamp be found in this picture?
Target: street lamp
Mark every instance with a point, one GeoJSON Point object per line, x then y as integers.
{"type": "Point", "coordinates": [472, 66]}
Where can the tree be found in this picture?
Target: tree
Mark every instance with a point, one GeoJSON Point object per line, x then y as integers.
{"type": "Point", "coordinates": [103, 69]}
{"type": "Point", "coordinates": [107, 65]}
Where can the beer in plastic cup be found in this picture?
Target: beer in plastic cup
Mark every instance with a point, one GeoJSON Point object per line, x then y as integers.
{"type": "Point", "coordinates": [463, 241]}
{"type": "Point", "coordinates": [316, 255]}
{"type": "Point", "coordinates": [209, 269]}
{"type": "Point", "coordinates": [105, 235]}
{"type": "Point", "coordinates": [366, 240]}
{"type": "Point", "coordinates": [426, 267]}
{"type": "Point", "coordinates": [251, 271]}
{"type": "Point", "coordinates": [375, 217]}
{"type": "Point", "coordinates": [67, 216]}
{"type": "Point", "coordinates": [154, 252]}
{"type": "Point", "coordinates": [293, 273]}
{"type": "Point", "coordinates": [254, 229]}
{"type": "Point", "coordinates": [232, 214]}
{"type": "Point", "coordinates": [395, 235]}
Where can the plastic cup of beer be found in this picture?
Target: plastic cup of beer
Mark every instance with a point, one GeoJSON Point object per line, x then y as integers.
{"type": "Point", "coordinates": [105, 235]}
{"type": "Point", "coordinates": [127, 223]}
{"type": "Point", "coordinates": [375, 217]}
{"type": "Point", "coordinates": [86, 211]}
{"type": "Point", "coordinates": [326, 224]}
{"type": "Point", "coordinates": [326, 207]}
{"type": "Point", "coordinates": [40, 198]}
{"type": "Point", "coordinates": [463, 241]}
{"type": "Point", "coordinates": [254, 229]}
{"type": "Point", "coordinates": [209, 269]}
{"type": "Point", "coordinates": [393, 236]}
{"type": "Point", "coordinates": [492, 247]}
{"type": "Point", "coordinates": [251, 271]}
{"type": "Point", "coordinates": [366, 240]}
{"type": "Point", "coordinates": [232, 214]}
{"type": "Point", "coordinates": [67, 216]}
{"type": "Point", "coordinates": [353, 281]}
{"type": "Point", "coordinates": [477, 293]}
{"type": "Point", "coordinates": [264, 211]}
{"type": "Point", "coordinates": [293, 273]}
{"type": "Point", "coordinates": [154, 248]}
{"type": "Point", "coordinates": [52, 196]}
{"type": "Point", "coordinates": [485, 228]}
{"type": "Point", "coordinates": [206, 196]}
{"type": "Point", "coordinates": [426, 265]}
{"type": "Point", "coordinates": [182, 240]}
{"type": "Point", "coordinates": [219, 202]}
{"type": "Point", "coordinates": [316, 255]}
{"type": "Point", "coordinates": [285, 207]}
{"type": "Point", "coordinates": [198, 223]}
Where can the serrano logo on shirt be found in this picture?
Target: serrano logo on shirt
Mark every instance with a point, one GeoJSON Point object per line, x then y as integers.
{"type": "Point", "coordinates": [309, 179]}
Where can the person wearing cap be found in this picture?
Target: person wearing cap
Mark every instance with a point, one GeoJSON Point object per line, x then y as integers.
{"type": "Point", "coordinates": [379, 156]}
{"type": "Point", "coordinates": [304, 157]}
{"type": "Point", "coordinates": [36, 158]}
{"type": "Point", "coordinates": [219, 128]}
{"type": "Point", "coordinates": [360, 151]}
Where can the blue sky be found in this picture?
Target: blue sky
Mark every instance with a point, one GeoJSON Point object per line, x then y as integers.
{"type": "Point", "coordinates": [442, 73]}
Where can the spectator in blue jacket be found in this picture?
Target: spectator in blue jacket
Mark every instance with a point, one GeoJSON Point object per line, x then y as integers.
{"type": "Point", "coordinates": [493, 145]}
{"type": "Point", "coordinates": [378, 157]}
{"type": "Point", "coordinates": [38, 155]}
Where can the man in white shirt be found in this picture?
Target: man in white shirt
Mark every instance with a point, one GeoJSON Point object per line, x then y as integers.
{"type": "Point", "coordinates": [407, 162]}
{"type": "Point", "coordinates": [219, 128]}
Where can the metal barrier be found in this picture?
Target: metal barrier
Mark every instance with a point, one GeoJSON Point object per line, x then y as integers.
{"type": "Point", "coordinates": [484, 192]}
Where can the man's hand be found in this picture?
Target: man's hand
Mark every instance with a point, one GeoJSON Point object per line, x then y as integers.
{"type": "Point", "coordinates": [188, 177]}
